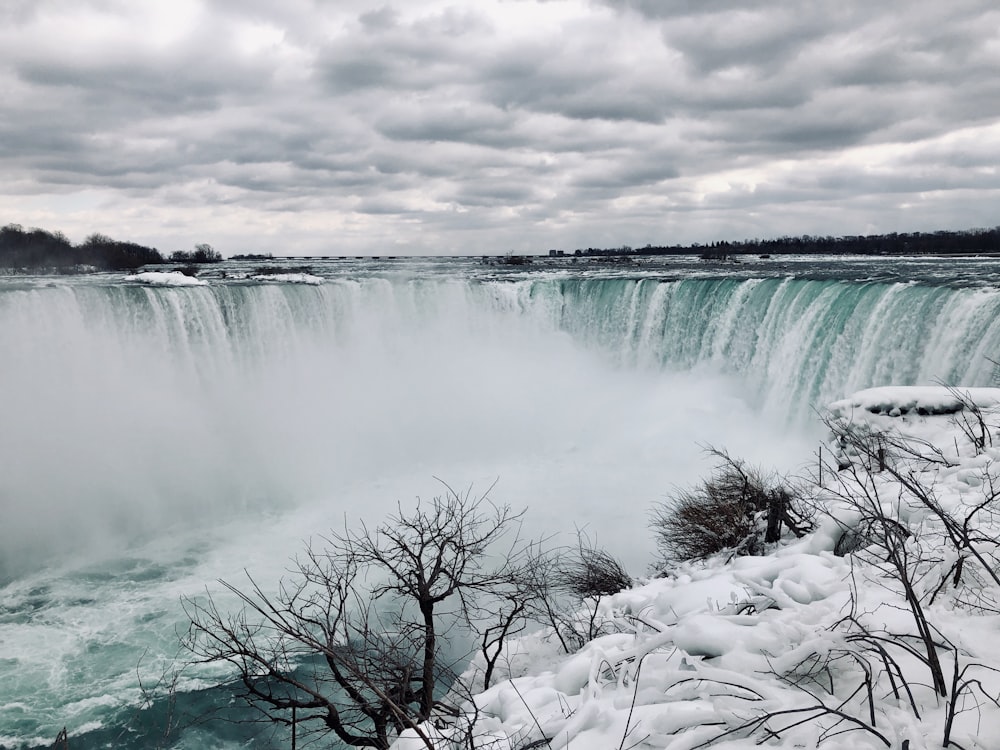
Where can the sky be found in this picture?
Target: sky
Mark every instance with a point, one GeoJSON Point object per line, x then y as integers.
{"type": "Point", "coordinates": [329, 127]}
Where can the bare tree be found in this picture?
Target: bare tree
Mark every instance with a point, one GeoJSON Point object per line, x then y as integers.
{"type": "Point", "coordinates": [552, 586]}
{"type": "Point", "coordinates": [904, 537]}
{"type": "Point", "coordinates": [972, 420]}
{"type": "Point", "coordinates": [885, 543]}
{"type": "Point", "coordinates": [352, 643]}
{"type": "Point", "coordinates": [544, 599]}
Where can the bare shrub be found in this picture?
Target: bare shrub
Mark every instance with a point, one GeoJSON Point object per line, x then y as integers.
{"type": "Point", "coordinates": [586, 574]}
{"type": "Point", "coordinates": [554, 583]}
{"type": "Point", "coordinates": [545, 601]}
{"type": "Point", "coordinates": [589, 572]}
{"type": "Point", "coordinates": [738, 508]}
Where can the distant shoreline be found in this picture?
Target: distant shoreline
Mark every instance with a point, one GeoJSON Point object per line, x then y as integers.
{"type": "Point", "coordinates": [39, 251]}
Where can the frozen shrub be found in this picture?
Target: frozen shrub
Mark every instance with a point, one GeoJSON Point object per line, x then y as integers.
{"type": "Point", "coordinates": [588, 572]}
{"type": "Point", "coordinates": [738, 508]}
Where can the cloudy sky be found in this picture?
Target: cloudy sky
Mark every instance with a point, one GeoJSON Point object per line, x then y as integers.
{"type": "Point", "coordinates": [417, 126]}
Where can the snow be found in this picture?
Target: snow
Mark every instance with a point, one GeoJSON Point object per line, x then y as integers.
{"type": "Point", "coordinates": [896, 401]}
{"type": "Point", "coordinates": [289, 278]}
{"type": "Point", "coordinates": [781, 649]}
{"type": "Point", "coordinates": [166, 278]}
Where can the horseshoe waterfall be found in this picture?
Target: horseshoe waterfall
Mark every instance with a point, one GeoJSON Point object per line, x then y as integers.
{"type": "Point", "coordinates": [159, 433]}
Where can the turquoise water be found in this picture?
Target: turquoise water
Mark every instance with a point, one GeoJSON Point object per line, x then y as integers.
{"type": "Point", "coordinates": [157, 439]}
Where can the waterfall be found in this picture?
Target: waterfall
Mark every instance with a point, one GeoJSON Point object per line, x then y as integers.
{"type": "Point", "coordinates": [131, 397]}
{"type": "Point", "coordinates": [798, 343]}
{"type": "Point", "coordinates": [134, 418]}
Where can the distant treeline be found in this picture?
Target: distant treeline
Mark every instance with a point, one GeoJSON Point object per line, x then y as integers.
{"type": "Point", "coordinates": [970, 241]}
{"type": "Point", "coordinates": [33, 249]}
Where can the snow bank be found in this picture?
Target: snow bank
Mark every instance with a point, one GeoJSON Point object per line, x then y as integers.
{"type": "Point", "coordinates": [166, 278]}
{"type": "Point", "coordinates": [666, 679]}
{"type": "Point", "coordinates": [897, 401]}
{"type": "Point", "coordinates": [797, 648]}
{"type": "Point", "coordinates": [938, 416]}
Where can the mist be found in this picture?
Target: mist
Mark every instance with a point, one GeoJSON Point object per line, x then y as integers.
{"type": "Point", "coordinates": [132, 412]}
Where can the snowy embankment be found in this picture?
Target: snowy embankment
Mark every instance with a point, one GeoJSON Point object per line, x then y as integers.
{"type": "Point", "coordinates": [894, 644]}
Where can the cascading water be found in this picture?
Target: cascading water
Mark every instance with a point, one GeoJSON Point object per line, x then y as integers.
{"type": "Point", "coordinates": [154, 439]}
{"type": "Point", "coordinates": [798, 343]}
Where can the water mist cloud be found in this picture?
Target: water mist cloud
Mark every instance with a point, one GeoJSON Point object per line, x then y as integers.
{"type": "Point", "coordinates": [141, 410]}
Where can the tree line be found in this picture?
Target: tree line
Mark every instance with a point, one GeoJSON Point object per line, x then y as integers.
{"type": "Point", "coordinates": [943, 242]}
{"type": "Point", "coordinates": [34, 249]}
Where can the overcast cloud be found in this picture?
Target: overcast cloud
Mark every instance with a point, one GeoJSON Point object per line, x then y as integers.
{"type": "Point", "coordinates": [349, 127]}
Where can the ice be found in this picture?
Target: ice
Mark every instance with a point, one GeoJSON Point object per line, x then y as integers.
{"type": "Point", "coordinates": [166, 278]}
{"type": "Point", "coordinates": [919, 399]}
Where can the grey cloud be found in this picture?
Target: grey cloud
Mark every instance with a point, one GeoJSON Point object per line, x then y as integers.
{"type": "Point", "coordinates": [385, 17]}
{"type": "Point", "coordinates": [535, 78]}
{"type": "Point", "coordinates": [466, 123]}
{"type": "Point", "coordinates": [359, 74]}
{"type": "Point", "coordinates": [478, 114]}
{"type": "Point", "coordinates": [145, 93]}
{"type": "Point", "coordinates": [381, 206]}
{"type": "Point", "coordinates": [634, 175]}
{"type": "Point", "coordinates": [767, 40]}
{"type": "Point", "coordinates": [380, 52]}
{"type": "Point", "coordinates": [493, 193]}
{"type": "Point", "coordinates": [656, 9]}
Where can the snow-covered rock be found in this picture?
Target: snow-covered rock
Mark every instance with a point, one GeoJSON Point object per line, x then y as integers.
{"type": "Point", "coordinates": [166, 278]}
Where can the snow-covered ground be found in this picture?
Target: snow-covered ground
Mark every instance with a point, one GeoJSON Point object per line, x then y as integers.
{"type": "Point", "coordinates": [800, 647]}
